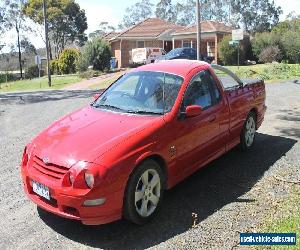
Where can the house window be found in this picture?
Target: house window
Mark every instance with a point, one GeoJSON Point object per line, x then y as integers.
{"type": "Point", "coordinates": [141, 44]}
{"type": "Point", "coordinates": [186, 44]}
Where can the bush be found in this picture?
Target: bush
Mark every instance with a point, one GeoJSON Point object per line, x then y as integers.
{"type": "Point", "coordinates": [33, 72]}
{"type": "Point", "coordinates": [82, 63]}
{"type": "Point", "coordinates": [264, 40]}
{"type": "Point", "coordinates": [291, 45]}
{"type": "Point", "coordinates": [97, 53]}
{"type": "Point", "coordinates": [7, 77]}
{"type": "Point", "coordinates": [54, 67]}
{"type": "Point", "coordinates": [68, 60]}
{"type": "Point", "coordinates": [270, 54]}
{"type": "Point", "coordinates": [229, 53]}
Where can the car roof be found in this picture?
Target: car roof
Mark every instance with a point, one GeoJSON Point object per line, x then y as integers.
{"type": "Point", "coordinates": [179, 67]}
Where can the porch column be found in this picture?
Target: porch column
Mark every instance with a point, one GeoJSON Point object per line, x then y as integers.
{"type": "Point", "coordinates": [216, 49]}
{"type": "Point", "coordinates": [181, 43]}
{"type": "Point", "coordinates": [173, 43]}
{"type": "Point", "coordinates": [191, 43]}
{"type": "Point", "coordinates": [207, 49]}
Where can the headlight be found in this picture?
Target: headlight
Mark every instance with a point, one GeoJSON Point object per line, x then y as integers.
{"type": "Point", "coordinates": [89, 179]}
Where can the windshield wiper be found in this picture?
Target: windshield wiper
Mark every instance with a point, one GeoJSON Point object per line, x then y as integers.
{"type": "Point", "coordinates": [144, 112]}
{"type": "Point", "coordinates": [107, 106]}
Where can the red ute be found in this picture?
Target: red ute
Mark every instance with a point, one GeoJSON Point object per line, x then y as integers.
{"type": "Point", "coordinates": [148, 131]}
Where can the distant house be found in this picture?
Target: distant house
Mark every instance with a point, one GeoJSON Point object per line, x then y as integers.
{"type": "Point", "coordinates": [154, 32]}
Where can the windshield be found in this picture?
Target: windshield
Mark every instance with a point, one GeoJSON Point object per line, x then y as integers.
{"type": "Point", "coordinates": [141, 92]}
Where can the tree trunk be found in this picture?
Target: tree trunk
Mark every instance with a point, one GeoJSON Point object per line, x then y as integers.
{"type": "Point", "coordinates": [19, 48]}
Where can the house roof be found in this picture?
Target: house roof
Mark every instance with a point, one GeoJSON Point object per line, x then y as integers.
{"type": "Point", "coordinates": [206, 26]}
{"type": "Point", "coordinates": [110, 35]}
{"type": "Point", "coordinates": [149, 28]}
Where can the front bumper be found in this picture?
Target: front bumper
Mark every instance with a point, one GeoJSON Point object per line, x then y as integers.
{"type": "Point", "coordinates": [71, 206]}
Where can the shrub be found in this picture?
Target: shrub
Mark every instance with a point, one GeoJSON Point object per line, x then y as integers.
{"type": "Point", "coordinates": [68, 60]}
{"type": "Point", "coordinates": [291, 45]}
{"type": "Point", "coordinates": [264, 40]}
{"type": "Point", "coordinates": [82, 63]}
{"type": "Point", "coordinates": [97, 53]}
{"type": "Point", "coordinates": [54, 67]}
{"type": "Point", "coordinates": [270, 54]}
{"type": "Point", "coordinates": [6, 77]}
{"type": "Point", "coordinates": [229, 53]}
{"type": "Point", "coordinates": [33, 72]}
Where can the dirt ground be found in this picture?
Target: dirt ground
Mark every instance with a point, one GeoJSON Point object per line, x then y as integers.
{"type": "Point", "coordinates": [233, 194]}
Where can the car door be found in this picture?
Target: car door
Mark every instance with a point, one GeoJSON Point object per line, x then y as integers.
{"type": "Point", "coordinates": [198, 138]}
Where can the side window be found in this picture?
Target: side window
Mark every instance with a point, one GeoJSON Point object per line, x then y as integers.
{"type": "Point", "coordinates": [216, 91]}
{"type": "Point", "coordinates": [202, 91]}
{"type": "Point", "coordinates": [198, 92]}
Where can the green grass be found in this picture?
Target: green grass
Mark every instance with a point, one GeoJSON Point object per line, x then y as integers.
{"type": "Point", "coordinates": [268, 72]}
{"type": "Point", "coordinates": [58, 82]}
{"type": "Point", "coordinates": [289, 222]}
{"type": "Point", "coordinates": [103, 84]}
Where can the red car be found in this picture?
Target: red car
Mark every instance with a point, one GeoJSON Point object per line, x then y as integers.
{"type": "Point", "coordinates": [149, 130]}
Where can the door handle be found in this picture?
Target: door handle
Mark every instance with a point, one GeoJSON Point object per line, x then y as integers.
{"type": "Point", "coordinates": [212, 118]}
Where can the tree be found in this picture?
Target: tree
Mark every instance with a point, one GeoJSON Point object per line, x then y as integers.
{"type": "Point", "coordinates": [97, 53]}
{"type": "Point", "coordinates": [67, 22]}
{"type": "Point", "coordinates": [186, 12]}
{"type": "Point", "coordinates": [13, 18]}
{"type": "Point", "coordinates": [218, 10]}
{"type": "Point", "coordinates": [255, 15]}
{"type": "Point", "coordinates": [136, 13]}
{"type": "Point", "coordinates": [27, 47]}
{"type": "Point", "coordinates": [166, 10]}
{"type": "Point", "coordinates": [104, 28]}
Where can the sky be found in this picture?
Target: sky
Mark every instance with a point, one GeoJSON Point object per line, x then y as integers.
{"type": "Point", "coordinates": [113, 11]}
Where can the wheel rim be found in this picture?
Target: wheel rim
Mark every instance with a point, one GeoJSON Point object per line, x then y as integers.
{"type": "Point", "coordinates": [250, 131]}
{"type": "Point", "coordinates": [147, 193]}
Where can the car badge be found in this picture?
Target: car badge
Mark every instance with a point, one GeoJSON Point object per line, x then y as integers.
{"type": "Point", "coordinates": [46, 160]}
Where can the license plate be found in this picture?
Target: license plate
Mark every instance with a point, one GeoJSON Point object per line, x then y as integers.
{"type": "Point", "coordinates": [41, 190]}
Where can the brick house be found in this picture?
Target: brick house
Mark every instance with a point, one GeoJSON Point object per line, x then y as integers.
{"type": "Point", "coordinates": [154, 32]}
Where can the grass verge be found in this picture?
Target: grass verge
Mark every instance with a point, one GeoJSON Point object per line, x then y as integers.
{"type": "Point", "coordinates": [285, 218]}
{"type": "Point", "coordinates": [58, 82]}
{"type": "Point", "coordinates": [268, 72]}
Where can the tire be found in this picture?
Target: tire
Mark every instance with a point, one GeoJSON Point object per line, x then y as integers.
{"type": "Point", "coordinates": [144, 192]}
{"type": "Point", "coordinates": [248, 132]}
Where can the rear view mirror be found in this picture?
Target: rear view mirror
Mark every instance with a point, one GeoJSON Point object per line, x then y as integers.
{"type": "Point", "coordinates": [193, 110]}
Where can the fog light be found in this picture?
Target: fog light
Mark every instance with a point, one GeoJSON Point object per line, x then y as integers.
{"type": "Point", "coordinates": [95, 202]}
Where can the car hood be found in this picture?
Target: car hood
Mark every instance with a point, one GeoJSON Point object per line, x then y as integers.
{"type": "Point", "coordinates": [87, 134]}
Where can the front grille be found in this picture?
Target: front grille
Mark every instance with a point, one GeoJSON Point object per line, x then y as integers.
{"type": "Point", "coordinates": [52, 170]}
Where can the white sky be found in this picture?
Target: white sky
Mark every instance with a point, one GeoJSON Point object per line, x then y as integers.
{"type": "Point", "coordinates": [112, 12]}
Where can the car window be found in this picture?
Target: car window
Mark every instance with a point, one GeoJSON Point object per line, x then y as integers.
{"type": "Point", "coordinates": [198, 92]}
{"type": "Point", "coordinates": [216, 91]}
{"type": "Point", "coordinates": [202, 91]}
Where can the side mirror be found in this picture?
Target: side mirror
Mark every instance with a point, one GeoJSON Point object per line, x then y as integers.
{"type": "Point", "coordinates": [193, 110]}
{"type": "Point", "coordinates": [96, 96]}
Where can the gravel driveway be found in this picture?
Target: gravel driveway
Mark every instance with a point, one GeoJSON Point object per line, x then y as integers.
{"type": "Point", "coordinates": [231, 195]}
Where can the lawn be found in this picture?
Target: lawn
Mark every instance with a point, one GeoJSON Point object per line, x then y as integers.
{"type": "Point", "coordinates": [268, 72]}
{"type": "Point", "coordinates": [58, 82]}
